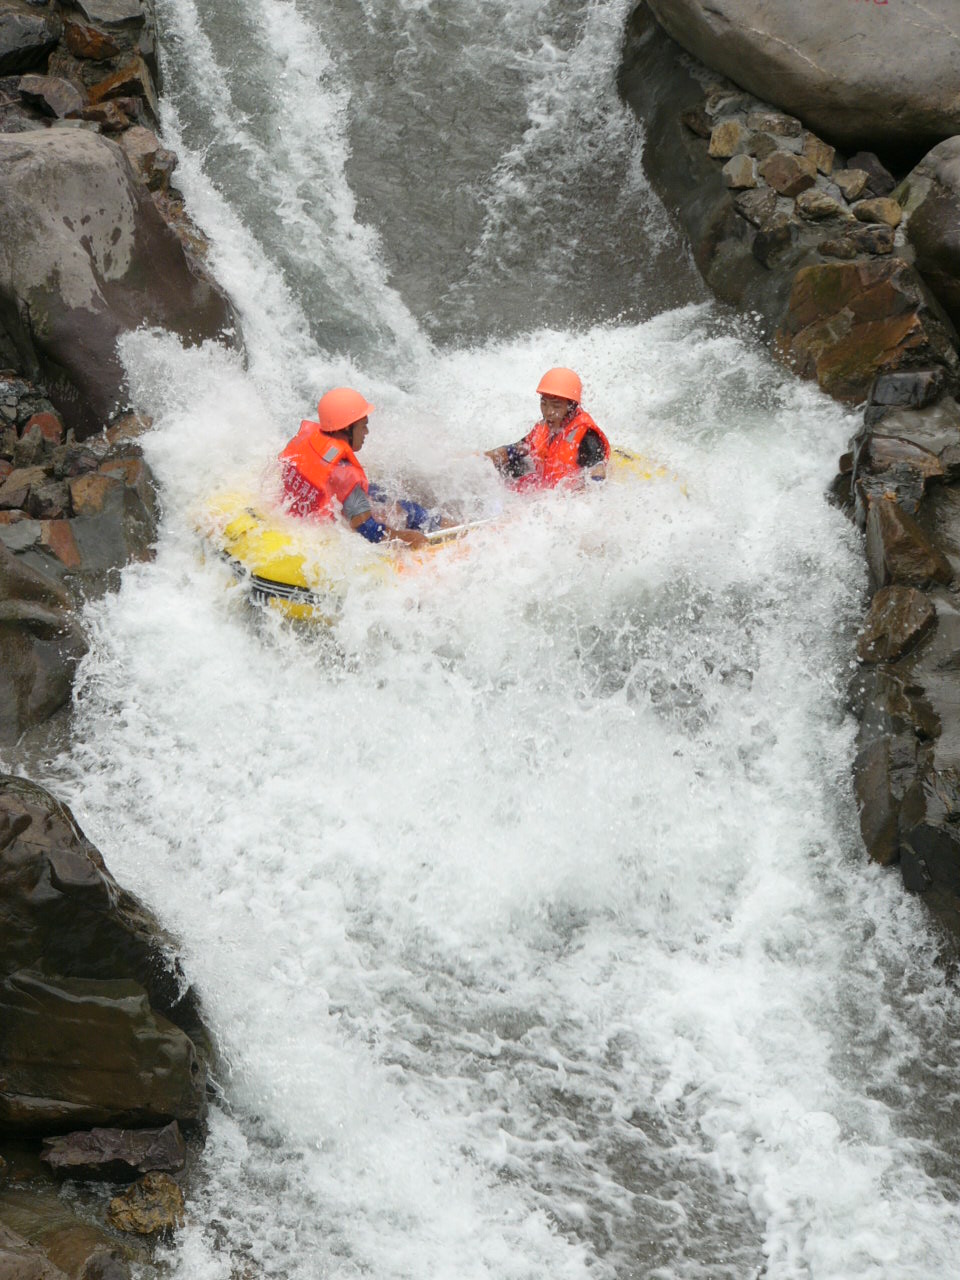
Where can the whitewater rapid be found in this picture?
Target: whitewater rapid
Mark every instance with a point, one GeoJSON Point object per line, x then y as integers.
{"type": "Point", "coordinates": [526, 901]}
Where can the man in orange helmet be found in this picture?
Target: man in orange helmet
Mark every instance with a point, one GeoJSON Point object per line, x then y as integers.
{"type": "Point", "coordinates": [566, 444]}
{"type": "Point", "coordinates": [321, 472]}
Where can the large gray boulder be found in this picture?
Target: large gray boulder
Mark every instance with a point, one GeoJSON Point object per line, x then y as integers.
{"type": "Point", "coordinates": [868, 74]}
{"type": "Point", "coordinates": [932, 196]}
{"type": "Point", "coordinates": [84, 257]}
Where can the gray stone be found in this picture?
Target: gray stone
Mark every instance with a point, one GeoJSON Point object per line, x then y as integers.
{"type": "Point", "coordinates": [56, 96]}
{"type": "Point", "coordinates": [740, 172]}
{"type": "Point", "coordinates": [857, 73]}
{"type": "Point", "coordinates": [26, 36]}
{"type": "Point", "coordinates": [933, 227]}
{"type": "Point", "coordinates": [85, 257]}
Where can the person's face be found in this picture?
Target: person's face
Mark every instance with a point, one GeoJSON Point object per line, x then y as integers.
{"type": "Point", "coordinates": [554, 409]}
{"type": "Point", "coordinates": [358, 433]}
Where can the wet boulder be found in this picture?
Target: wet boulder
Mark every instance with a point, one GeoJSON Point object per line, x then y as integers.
{"type": "Point", "coordinates": [20, 1260]}
{"type": "Point", "coordinates": [45, 1221]}
{"type": "Point", "coordinates": [847, 322]}
{"type": "Point", "coordinates": [932, 197]}
{"type": "Point", "coordinates": [85, 257]}
{"type": "Point", "coordinates": [40, 646]}
{"type": "Point", "coordinates": [862, 74]}
{"type": "Point", "coordinates": [63, 913]}
{"type": "Point", "coordinates": [85, 1051]}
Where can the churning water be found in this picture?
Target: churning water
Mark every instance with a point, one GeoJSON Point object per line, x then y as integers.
{"type": "Point", "coordinates": [526, 901]}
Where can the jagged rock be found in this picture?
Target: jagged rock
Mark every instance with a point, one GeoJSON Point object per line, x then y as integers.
{"type": "Point", "coordinates": [854, 73]}
{"type": "Point", "coordinates": [115, 1155]}
{"type": "Point", "coordinates": [932, 192]}
{"type": "Point", "coordinates": [152, 1205]}
{"type": "Point", "coordinates": [913, 390]}
{"type": "Point", "coordinates": [860, 240]}
{"type": "Point", "coordinates": [40, 646]}
{"type": "Point", "coordinates": [898, 550]}
{"type": "Point", "coordinates": [816, 204]}
{"type": "Point", "coordinates": [54, 95]}
{"type": "Point", "coordinates": [775, 122]}
{"type": "Point", "coordinates": [847, 322]}
{"type": "Point", "coordinates": [152, 162]}
{"type": "Point", "coordinates": [880, 181]}
{"type": "Point", "coordinates": [879, 209]}
{"type": "Point", "coordinates": [897, 620]}
{"type": "Point", "coordinates": [131, 81]}
{"type": "Point", "coordinates": [87, 41]}
{"type": "Point", "coordinates": [788, 174]}
{"type": "Point", "coordinates": [820, 152]}
{"type": "Point", "coordinates": [757, 206]}
{"type": "Point", "coordinates": [852, 182]}
{"type": "Point", "coordinates": [26, 35]}
{"type": "Point", "coordinates": [740, 172]}
{"type": "Point", "coordinates": [86, 252]}
{"type": "Point", "coordinates": [726, 139]}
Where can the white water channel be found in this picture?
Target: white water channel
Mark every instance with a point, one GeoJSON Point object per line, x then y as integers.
{"type": "Point", "coordinates": [526, 903]}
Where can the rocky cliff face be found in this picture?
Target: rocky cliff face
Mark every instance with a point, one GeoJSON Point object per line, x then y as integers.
{"type": "Point", "coordinates": [853, 272]}
{"type": "Point", "coordinates": [101, 1040]}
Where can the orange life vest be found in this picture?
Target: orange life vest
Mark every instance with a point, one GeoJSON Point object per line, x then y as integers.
{"type": "Point", "coordinates": [554, 453]}
{"type": "Point", "coordinates": [318, 469]}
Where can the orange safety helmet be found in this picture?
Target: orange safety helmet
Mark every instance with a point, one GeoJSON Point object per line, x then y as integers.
{"type": "Point", "coordinates": [561, 382]}
{"type": "Point", "coordinates": [340, 408]}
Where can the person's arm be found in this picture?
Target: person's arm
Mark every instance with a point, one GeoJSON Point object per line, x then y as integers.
{"type": "Point", "coordinates": [591, 457]}
{"type": "Point", "coordinates": [511, 460]}
{"type": "Point", "coordinates": [357, 510]}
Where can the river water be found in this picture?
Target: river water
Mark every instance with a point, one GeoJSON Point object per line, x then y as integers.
{"type": "Point", "coordinates": [526, 901]}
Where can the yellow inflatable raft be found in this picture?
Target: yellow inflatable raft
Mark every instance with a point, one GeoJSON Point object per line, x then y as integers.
{"type": "Point", "coordinates": [299, 566]}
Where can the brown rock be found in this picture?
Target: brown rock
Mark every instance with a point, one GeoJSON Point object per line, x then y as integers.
{"type": "Point", "coordinates": [152, 162]}
{"type": "Point", "coordinates": [115, 1155]}
{"type": "Point", "coordinates": [740, 172]}
{"type": "Point", "coordinates": [152, 1205]}
{"type": "Point", "coordinates": [815, 204]}
{"type": "Point", "coordinates": [54, 95]}
{"type": "Point", "coordinates": [110, 116]}
{"type": "Point", "coordinates": [15, 490]}
{"type": "Point", "coordinates": [897, 620]}
{"type": "Point", "coordinates": [132, 80]}
{"type": "Point", "coordinates": [847, 322]}
{"type": "Point", "coordinates": [86, 41]}
{"type": "Point", "coordinates": [787, 173]}
{"type": "Point", "coordinates": [49, 425]}
{"type": "Point", "coordinates": [880, 209]}
{"type": "Point", "coordinates": [757, 206]}
{"type": "Point", "coordinates": [865, 238]}
{"type": "Point", "coordinates": [82, 1051]}
{"type": "Point", "coordinates": [762, 145]}
{"type": "Point", "coordinates": [727, 138]}
{"type": "Point", "coordinates": [852, 182]}
{"type": "Point", "coordinates": [775, 122]}
{"type": "Point", "coordinates": [899, 551]}
{"type": "Point", "coordinates": [57, 536]}
{"type": "Point", "coordinates": [89, 492]}
{"type": "Point", "coordinates": [49, 501]}
{"type": "Point", "coordinates": [821, 153]}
